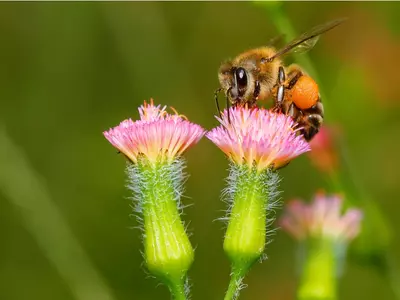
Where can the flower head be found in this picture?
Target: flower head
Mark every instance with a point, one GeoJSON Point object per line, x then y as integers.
{"type": "Point", "coordinates": [321, 219]}
{"type": "Point", "coordinates": [258, 137]}
{"type": "Point", "coordinates": [157, 135]}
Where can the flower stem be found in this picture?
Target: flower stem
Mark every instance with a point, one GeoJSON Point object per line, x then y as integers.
{"type": "Point", "coordinates": [178, 291]}
{"type": "Point", "coordinates": [235, 284]}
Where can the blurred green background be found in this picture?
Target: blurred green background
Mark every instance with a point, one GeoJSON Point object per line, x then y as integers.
{"type": "Point", "coordinates": [69, 71]}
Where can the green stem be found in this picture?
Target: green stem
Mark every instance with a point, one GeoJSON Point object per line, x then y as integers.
{"type": "Point", "coordinates": [235, 285]}
{"type": "Point", "coordinates": [178, 291]}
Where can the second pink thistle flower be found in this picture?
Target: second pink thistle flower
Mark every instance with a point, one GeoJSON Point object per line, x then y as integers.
{"type": "Point", "coordinates": [257, 142]}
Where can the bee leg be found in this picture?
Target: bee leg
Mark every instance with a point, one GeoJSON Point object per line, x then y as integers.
{"type": "Point", "coordinates": [227, 105]}
{"type": "Point", "coordinates": [278, 91]}
{"type": "Point", "coordinates": [216, 93]}
{"type": "Point", "coordinates": [280, 94]}
{"type": "Point", "coordinates": [289, 109]}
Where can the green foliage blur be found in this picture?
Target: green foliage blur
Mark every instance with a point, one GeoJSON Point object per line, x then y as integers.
{"type": "Point", "coordinates": [69, 71]}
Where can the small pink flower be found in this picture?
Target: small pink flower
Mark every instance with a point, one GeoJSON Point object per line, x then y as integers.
{"type": "Point", "coordinates": [157, 135]}
{"type": "Point", "coordinates": [258, 137]}
{"type": "Point", "coordinates": [321, 219]}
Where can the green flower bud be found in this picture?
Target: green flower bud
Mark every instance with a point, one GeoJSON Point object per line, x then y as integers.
{"type": "Point", "coordinates": [252, 195]}
{"type": "Point", "coordinates": [167, 249]}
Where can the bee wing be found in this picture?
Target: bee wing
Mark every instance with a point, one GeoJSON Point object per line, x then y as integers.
{"type": "Point", "coordinates": [307, 40]}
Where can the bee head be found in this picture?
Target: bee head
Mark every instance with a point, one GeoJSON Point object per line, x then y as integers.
{"type": "Point", "coordinates": [236, 81]}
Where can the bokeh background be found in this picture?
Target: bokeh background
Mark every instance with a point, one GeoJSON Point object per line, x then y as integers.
{"type": "Point", "coordinates": [69, 71]}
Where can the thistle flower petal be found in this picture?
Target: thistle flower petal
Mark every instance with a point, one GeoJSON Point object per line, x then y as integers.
{"type": "Point", "coordinates": [257, 137]}
{"type": "Point", "coordinates": [157, 135]}
{"type": "Point", "coordinates": [321, 218]}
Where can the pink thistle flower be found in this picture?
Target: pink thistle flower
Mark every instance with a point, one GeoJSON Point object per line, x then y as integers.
{"type": "Point", "coordinates": [258, 137]}
{"type": "Point", "coordinates": [321, 219]}
{"type": "Point", "coordinates": [158, 135]}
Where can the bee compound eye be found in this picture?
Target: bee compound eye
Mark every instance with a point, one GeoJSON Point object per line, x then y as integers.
{"type": "Point", "coordinates": [241, 77]}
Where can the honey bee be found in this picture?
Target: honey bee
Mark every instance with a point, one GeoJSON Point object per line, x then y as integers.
{"type": "Point", "coordinates": [259, 73]}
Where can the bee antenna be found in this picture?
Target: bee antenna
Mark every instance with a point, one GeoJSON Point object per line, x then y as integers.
{"type": "Point", "coordinates": [216, 93]}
